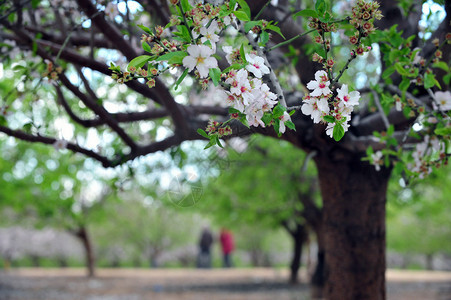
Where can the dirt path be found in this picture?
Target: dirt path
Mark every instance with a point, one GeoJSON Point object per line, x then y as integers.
{"type": "Point", "coordinates": [258, 283]}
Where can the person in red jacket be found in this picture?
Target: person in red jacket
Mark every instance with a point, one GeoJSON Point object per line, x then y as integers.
{"type": "Point", "coordinates": [228, 246]}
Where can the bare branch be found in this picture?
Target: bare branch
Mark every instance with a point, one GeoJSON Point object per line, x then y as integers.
{"type": "Point", "coordinates": [49, 141]}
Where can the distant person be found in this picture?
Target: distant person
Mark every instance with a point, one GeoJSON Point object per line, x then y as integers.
{"type": "Point", "coordinates": [205, 242]}
{"type": "Point", "coordinates": [228, 246]}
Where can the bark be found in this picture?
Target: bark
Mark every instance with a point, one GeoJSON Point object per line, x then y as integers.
{"type": "Point", "coordinates": [429, 262]}
{"type": "Point", "coordinates": [354, 197]}
{"type": "Point", "coordinates": [318, 279]}
{"type": "Point", "coordinates": [299, 237]}
{"type": "Point", "coordinates": [85, 239]}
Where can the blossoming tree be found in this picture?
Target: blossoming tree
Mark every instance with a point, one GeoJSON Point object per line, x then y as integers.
{"type": "Point", "coordinates": [246, 55]}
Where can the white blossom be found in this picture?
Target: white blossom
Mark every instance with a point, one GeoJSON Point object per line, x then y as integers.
{"type": "Point", "coordinates": [200, 58]}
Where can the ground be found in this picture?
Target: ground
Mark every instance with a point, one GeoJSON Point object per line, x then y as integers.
{"type": "Point", "coordinates": [257, 283]}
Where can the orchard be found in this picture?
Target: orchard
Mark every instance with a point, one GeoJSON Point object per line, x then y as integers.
{"type": "Point", "coordinates": [362, 87]}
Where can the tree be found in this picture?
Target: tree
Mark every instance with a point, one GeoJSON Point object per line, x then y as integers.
{"type": "Point", "coordinates": [63, 192]}
{"type": "Point", "coordinates": [418, 217]}
{"type": "Point", "coordinates": [353, 190]}
{"type": "Point", "coordinates": [240, 194]}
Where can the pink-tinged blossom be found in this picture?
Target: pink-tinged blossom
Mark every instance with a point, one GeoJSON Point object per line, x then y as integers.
{"type": "Point", "coordinates": [200, 58]}
{"type": "Point", "coordinates": [256, 65]}
{"type": "Point", "coordinates": [443, 100]}
{"type": "Point", "coordinates": [60, 145]}
{"type": "Point", "coordinates": [320, 85]}
{"type": "Point", "coordinates": [316, 108]}
{"type": "Point", "coordinates": [111, 10]}
{"type": "Point", "coordinates": [376, 160]}
{"type": "Point", "coordinates": [208, 34]}
{"type": "Point", "coordinates": [349, 99]}
{"type": "Point", "coordinates": [240, 85]}
{"type": "Point", "coordinates": [284, 118]}
{"type": "Point", "coordinates": [254, 114]}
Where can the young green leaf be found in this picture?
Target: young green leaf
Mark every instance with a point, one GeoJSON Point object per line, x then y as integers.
{"type": "Point", "coordinates": [139, 61]}
{"type": "Point", "coordinates": [329, 119]}
{"type": "Point", "coordinates": [241, 15]}
{"type": "Point", "coordinates": [215, 75]}
{"type": "Point", "coordinates": [338, 132]}
{"type": "Point", "coordinates": [245, 8]}
{"type": "Point", "coordinates": [203, 133]}
{"type": "Point", "coordinates": [177, 83]}
{"type": "Point", "coordinates": [276, 29]}
{"type": "Point", "coordinates": [306, 13]}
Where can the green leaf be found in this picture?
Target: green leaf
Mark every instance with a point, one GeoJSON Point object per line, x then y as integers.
{"type": "Point", "coordinates": [278, 111]}
{"type": "Point", "coordinates": [218, 142]}
{"type": "Point", "coordinates": [445, 131]}
{"type": "Point", "coordinates": [203, 133]}
{"type": "Point", "coordinates": [215, 75]}
{"type": "Point", "coordinates": [276, 29]}
{"type": "Point", "coordinates": [306, 13]}
{"type": "Point", "coordinates": [245, 8]}
{"type": "Point", "coordinates": [321, 7]}
{"type": "Point", "coordinates": [241, 15]}
{"type": "Point", "coordinates": [277, 127]}
{"type": "Point", "coordinates": [400, 69]}
{"type": "Point", "coordinates": [177, 83]}
{"type": "Point", "coordinates": [146, 47]}
{"type": "Point", "coordinates": [404, 85]}
{"type": "Point", "coordinates": [233, 67]}
{"type": "Point", "coordinates": [242, 53]}
{"type": "Point", "coordinates": [145, 29]}
{"type": "Point", "coordinates": [329, 119]}
{"type": "Point", "coordinates": [139, 61]}
{"type": "Point", "coordinates": [264, 38]}
{"type": "Point", "coordinates": [430, 81]}
{"type": "Point", "coordinates": [170, 55]}
{"type": "Point", "coordinates": [442, 65]}
{"type": "Point", "coordinates": [338, 132]}
{"type": "Point", "coordinates": [290, 125]}
{"type": "Point", "coordinates": [251, 24]}
{"type": "Point", "coordinates": [185, 5]}
{"type": "Point", "coordinates": [387, 73]}
{"type": "Point", "coordinates": [211, 143]}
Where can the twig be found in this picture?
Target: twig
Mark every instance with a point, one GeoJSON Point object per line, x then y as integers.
{"type": "Point", "coordinates": [381, 110]}
{"type": "Point", "coordinates": [290, 40]}
{"type": "Point", "coordinates": [272, 75]}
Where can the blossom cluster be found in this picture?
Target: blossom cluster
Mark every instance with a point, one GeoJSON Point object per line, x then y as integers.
{"type": "Point", "coordinates": [322, 106]}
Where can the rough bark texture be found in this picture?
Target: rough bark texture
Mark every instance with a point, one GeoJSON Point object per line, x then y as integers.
{"type": "Point", "coordinates": [83, 235]}
{"type": "Point", "coordinates": [354, 197]}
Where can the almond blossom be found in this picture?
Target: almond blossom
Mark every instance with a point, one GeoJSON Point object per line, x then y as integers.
{"type": "Point", "coordinates": [60, 145]}
{"type": "Point", "coordinates": [443, 100]}
{"type": "Point", "coordinates": [284, 118]}
{"type": "Point", "coordinates": [200, 58]}
{"type": "Point", "coordinates": [316, 108]}
{"type": "Point", "coordinates": [320, 85]}
{"type": "Point", "coordinates": [349, 99]}
{"type": "Point", "coordinates": [256, 65]}
{"type": "Point", "coordinates": [376, 159]}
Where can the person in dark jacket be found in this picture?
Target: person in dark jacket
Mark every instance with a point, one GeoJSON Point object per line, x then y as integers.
{"type": "Point", "coordinates": [205, 242]}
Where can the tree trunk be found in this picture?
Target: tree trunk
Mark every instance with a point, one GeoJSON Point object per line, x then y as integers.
{"type": "Point", "coordinates": [318, 279]}
{"type": "Point", "coordinates": [354, 197]}
{"type": "Point", "coordinates": [83, 235]}
{"type": "Point", "coordinates": [429, 262]}
{"type": "Point", "coordinates": [299, 236]}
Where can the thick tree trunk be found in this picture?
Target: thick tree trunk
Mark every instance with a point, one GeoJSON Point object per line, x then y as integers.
{"type": "Point", "coordinates": [318, 279]}
{"type": "Point", "coordinates": [299, 237]}
{"type": "Point", "coordinates": [83, 235]}
{"type": "Point", "coordinates": [429, 262]}
{"type": "Point", "coordinates": [354, 197]}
